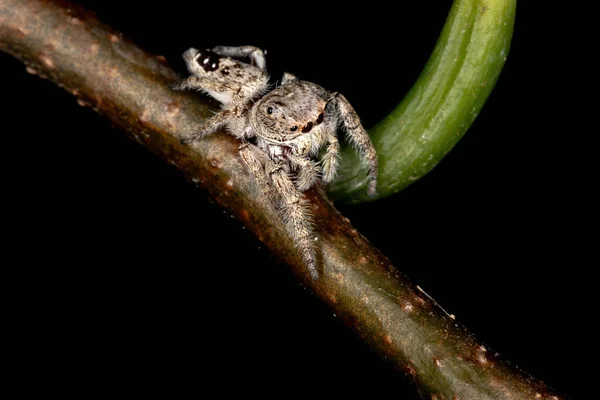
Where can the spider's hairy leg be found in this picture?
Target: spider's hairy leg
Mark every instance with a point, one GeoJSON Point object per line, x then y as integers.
{"type": "Point", "coordinates": [256, 55]}
{"type": "Point", "coordinates": [293, 207]}
{"type": "Point", "coordinates": [331, 158]}
{"type": "Point", "coordinates": [191, 82]}
{"type": "Point", "coordinates": [213, 123]}
{"type": "Point", "coordinates": [357, 136]}
{"type": "Point", "coordinates": [255, 160]}
{"type": "Point", "coordinates": [308, 173]}
{"type": "Point", "coordinates": [288, 77]}
{"type": "Point", "coordinates": [215, 88]}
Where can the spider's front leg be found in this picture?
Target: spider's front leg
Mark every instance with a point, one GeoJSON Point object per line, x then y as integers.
{"type": "Point", "coordinates": [357, 136]}
{"type": "Point", "coordinates": [275, 183]}
{"type": "Point", "coordinates": [255, 160]}
{"type": "Point", "coordinates": [308, 171]}
{"type": "Point", "coordinates": [256, 55]}
{"type": "Point", "coordinates": [294, 209]}
{"type": "Point", "coordinates": [331, 158]}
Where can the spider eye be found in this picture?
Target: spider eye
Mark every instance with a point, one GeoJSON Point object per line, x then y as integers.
{"type": "Point", "coordinates": [320, 118]}
{"type": "Point", "coordinates": [307, 127]}
{"type": "Point", "coordinates": [208, 60]}
{"type": "Point", "coordinates": [270, 110]}
{"type": "Point", "coordinates": [294, 128]}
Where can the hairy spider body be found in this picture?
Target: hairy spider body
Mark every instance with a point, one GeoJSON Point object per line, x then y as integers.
{"type": "Point", "coordinates": [281, 130]}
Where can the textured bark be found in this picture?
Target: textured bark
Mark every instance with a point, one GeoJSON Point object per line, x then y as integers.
{"type": "Point", "coordinates": [68, 45]}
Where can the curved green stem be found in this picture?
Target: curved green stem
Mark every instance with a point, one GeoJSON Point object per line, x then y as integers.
{"type": "Point", "coordinates": [442, 104]}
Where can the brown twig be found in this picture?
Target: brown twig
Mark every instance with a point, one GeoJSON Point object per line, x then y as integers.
{"type": "Point", "coordinates": [68, 45]}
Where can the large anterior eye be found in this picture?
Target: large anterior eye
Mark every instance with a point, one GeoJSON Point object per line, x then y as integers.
{"type": "Point", "coordinates": [320, 118]}
{"type": "Point", "coordinates": [307, 127]}
{"type": "Point", "coordinates": [270, 110]}
{"type": "Point", "coordinates": [208, 60]}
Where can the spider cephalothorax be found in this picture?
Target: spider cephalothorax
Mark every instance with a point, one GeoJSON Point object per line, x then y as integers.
{"type": "Point", "coordinates": [281, 130]}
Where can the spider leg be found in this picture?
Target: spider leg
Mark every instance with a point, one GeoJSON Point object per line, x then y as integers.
{"type": "Point", "coordinates": [191, 82]}
{"type": "Point", "coordinates": [212, 124]}
{"type": "Point", "coordinates": [308, 173]}
{"type": "Point", "coordinates": [357, 136]}
{"type": "Point", "coordinates": [293, 207]}
{"type": "Point", "coordinates": [284, 195]}
{"type": "Point", "coordinates": [331, 158]}
{"type": "Point", "coordinates": [256, 55]}
{"type": "Point", "coordinates": [287, 78]}
{"type": "Point", "coordinates": [255, 160]}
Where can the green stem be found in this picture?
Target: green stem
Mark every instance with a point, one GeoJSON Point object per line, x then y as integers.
{"type": "Point", "coordinates": [442, 104]}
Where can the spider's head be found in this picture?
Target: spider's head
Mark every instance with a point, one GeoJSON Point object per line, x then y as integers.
{"type": "Point", "coordinates": [288, 112]}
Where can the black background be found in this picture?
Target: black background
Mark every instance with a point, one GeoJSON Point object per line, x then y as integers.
{"type": "Point", "coordinates": [132, 276]}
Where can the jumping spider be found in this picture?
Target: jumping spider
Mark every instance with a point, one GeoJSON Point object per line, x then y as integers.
{"type": "Point", "coordinates": [281, 130]}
